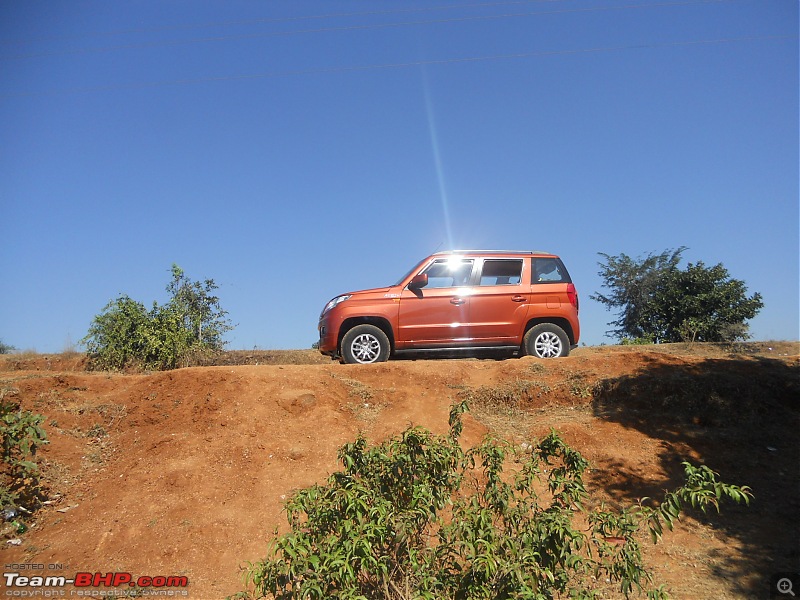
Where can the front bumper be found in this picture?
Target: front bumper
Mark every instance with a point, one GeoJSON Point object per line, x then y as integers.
{"type": "Point", "coordinates": [328, 344]}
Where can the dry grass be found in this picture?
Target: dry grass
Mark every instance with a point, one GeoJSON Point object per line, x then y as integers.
{"type": "Point", "coordinates": [767, 349]}
{"type": "Point", "coordinates": [269, 357]}
{"type": "Point", "coordinates": [70, 360]}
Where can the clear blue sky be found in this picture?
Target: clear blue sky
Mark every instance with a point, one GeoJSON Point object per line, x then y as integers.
{"type": "Point", "coordinates": [295, 150]}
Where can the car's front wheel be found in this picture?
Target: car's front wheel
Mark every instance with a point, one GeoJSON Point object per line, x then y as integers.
{"type": "Point", "coordinates": [365, 344]}
{"type": "Point", "coordinates": [546, 340]}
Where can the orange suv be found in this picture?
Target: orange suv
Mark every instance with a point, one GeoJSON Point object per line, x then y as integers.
{"type": "Point", "coordinates": [458, 302]}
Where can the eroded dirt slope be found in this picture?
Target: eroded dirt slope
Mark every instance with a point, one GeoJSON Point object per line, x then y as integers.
{"type": "Point", "coordinates": [185, 472]}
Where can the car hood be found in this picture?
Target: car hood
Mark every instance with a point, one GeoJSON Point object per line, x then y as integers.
{"type": "Point", "coordinates": [371, 292]}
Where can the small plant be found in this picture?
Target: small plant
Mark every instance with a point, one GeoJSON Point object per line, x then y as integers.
{"type": "Point", "coordinates": [419, 517]}
{"type": "Point", "coordinates": [537, 368]}
{"type": "Point", "coordinates": [578, 386]}
{"type": "Point", "coordinates": [22, 435]}
{"type": "Point", "coordinates": [96, 432]}
{"type": "Point", "coordinates": [688, 330]}
{"type": "Point", "coordinates": [356, 389]}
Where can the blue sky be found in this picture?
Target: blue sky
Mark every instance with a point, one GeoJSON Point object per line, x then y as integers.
{"type": "Point", "coordinates": [295, 150]}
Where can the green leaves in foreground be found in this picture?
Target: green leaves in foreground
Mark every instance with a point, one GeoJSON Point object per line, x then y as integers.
{"type": "Point", "coordinates": [419, 517]}
{"type": "Point", "coordinates": [21, 435]}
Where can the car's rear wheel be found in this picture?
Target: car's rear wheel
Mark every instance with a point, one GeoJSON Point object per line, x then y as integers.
{"type": "Point", "coordinates": [365, 344]}
{"type": "Point", "coordinates": [546, 340]}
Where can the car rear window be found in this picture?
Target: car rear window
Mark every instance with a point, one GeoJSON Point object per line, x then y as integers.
{"type": "Point", "coordinates": [549, 270]}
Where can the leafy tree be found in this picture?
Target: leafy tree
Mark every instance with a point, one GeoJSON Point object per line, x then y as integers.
{"type": "Point", "coordinates": [631, 283]}
{"type": "Point", "coordinates": [6, 348]}
{"type": "Point", "coordinates": [198, 310]}
{"type": "Point", "coordinates": [419, 517]}
{"type": "Point", "coordinates": [190, 325]}
{"type": "Point", "coordinates": [659, 302]}
{"type": "Point", "coordinates": [702, 303]}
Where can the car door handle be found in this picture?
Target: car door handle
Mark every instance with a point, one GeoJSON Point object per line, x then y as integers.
{"type": "Point", "coordinates": [457, 301]}
{"type": "Point", "coordinates": [518, 298]}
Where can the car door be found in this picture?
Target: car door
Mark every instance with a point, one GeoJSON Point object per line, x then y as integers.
{"type": "Point", "coordinates": [437, 314]}
{"type": "Point", "coordinates": [499, 302]}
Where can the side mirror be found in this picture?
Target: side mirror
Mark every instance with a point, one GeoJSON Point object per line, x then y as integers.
{"type": "Point", "coordinates": [418, 282]}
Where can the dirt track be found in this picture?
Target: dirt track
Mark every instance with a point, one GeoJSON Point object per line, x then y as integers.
{"type": "Point", "coordinates": [185, 472]}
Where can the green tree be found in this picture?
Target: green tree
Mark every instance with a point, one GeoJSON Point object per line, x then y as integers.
{"type": "Point", "coordinates": [419, 517]}
{"type": "Point", "coordinates": [6, 348]}
{"type": "Point", "coordinates": [198, 310]}
{"type": "Point", "coordinates": [659, 302]}
{"type": "Point", "coordinates": [631, 282]}
{"type": "Point", "coordinates": [188, 327]}
{"type": "Point", "coordinates": [702, 303]}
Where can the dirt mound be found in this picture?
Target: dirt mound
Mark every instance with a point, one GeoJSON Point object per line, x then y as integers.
{"type": "Point", "coordinates": [185, 472]}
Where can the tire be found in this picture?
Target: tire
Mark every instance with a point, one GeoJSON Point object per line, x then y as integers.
{"type": "Point", "coordinates": [546, 340]}
{"type": "Point", "coordinates": [365, 344]}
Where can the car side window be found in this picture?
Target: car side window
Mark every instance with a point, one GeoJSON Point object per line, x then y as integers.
{"type": "Point", "coordinates": [501, 272]}
{"type": "Point", "coordinates": [549, 270]}
{"type": "Point", "coordinates": [449, 272]}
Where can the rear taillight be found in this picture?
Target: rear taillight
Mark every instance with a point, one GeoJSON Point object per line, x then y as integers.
{"type": "Point", "coordinates": [572, 294]}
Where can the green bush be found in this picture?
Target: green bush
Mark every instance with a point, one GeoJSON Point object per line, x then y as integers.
{"type": "Point", "coordinates": [186, 329]}
{"type": "Point", "coordinates": [22, 435]}
{"type": "Point", "coordinates": [418, 517]}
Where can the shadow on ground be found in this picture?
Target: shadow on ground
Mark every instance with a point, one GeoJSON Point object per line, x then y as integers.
{"type": "Point", "coordinates": [741, 418]}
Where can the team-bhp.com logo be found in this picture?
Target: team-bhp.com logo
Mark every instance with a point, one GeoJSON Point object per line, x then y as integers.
{"type": "Point", "coordinates": [90, 584]}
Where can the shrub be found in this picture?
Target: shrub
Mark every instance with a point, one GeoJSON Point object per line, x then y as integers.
{"type": "Point", "coordinates": [418, 517]}
{"type": "Point", "coordinates": [116, 338]}
{"type": "Point", "coordinates": [186, 329]}
{"type": "Point", "coordinates": [22, 435]}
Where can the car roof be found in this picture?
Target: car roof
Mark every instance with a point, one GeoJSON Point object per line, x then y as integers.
{"type": "Point", "coordinates": [495, 252]}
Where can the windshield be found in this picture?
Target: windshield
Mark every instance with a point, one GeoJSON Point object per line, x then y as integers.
{"type": "Point", "coordinates": [410, 271]}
